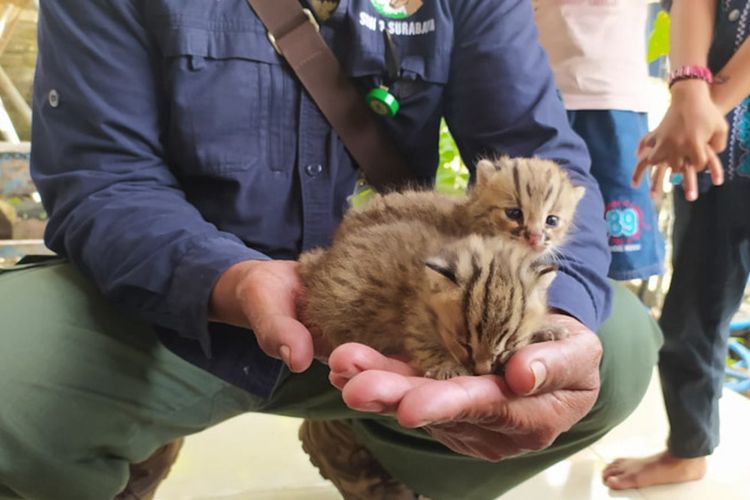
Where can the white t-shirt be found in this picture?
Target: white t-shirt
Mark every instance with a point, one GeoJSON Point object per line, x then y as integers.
{"type": "Point", "coordinates": [597, 49]}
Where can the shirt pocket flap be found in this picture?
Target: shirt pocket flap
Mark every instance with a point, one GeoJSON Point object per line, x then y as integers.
{"type": "Point", "coordinates": [223, 85]}
{"type": "Point", "coordinates": [433, 68]}
{"type": "Point", "coordinates": [250, 44]}
{"type": "Point", "coordinates": [429, 66]}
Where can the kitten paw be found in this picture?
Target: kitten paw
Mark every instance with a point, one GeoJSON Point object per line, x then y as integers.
{"type": "Point", "coordinates": [446, 371]}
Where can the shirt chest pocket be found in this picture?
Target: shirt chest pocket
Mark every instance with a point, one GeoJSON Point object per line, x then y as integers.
{"type": "Point", "coordinates": [422, 76]}
{"type": "Point", "coordinates": [231, 100]}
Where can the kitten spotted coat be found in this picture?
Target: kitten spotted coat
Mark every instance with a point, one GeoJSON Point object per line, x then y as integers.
{"type": "Point", "coordinates": [528, 199]}
{"type": "Point", "coordinates": [453, 306]}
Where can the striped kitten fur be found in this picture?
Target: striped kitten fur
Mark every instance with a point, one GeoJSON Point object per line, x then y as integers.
{"type": "Point", "coordinates": [529, 199]}
{"type": "Point", "coordinates": [453, 306]}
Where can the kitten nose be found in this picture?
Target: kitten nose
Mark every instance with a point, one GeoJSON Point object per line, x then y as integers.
{"type": "Point", "coordinates": [533, 238]}
{"type": "Point", "coordinates": [483, 367]}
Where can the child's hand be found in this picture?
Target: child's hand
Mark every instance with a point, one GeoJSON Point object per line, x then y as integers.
{"type": "Point", "coordinates": [687, 140]}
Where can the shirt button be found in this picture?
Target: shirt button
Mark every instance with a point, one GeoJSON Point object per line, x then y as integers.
{"type": "Point", "coordinates": [54, 98]}
{"type": "Point", "coordinates": [734, 15]}
{"type": "Point", "coordinates": [314, 169]}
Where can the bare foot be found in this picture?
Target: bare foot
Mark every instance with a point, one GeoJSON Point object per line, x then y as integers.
{"type": "Point", "coordinates": [663, 468]}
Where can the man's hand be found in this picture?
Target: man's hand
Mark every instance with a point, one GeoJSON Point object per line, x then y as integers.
{"type": "Point", "coordinates": [263, 296]}
{"type": "Point", "coordinates": [547, 388]}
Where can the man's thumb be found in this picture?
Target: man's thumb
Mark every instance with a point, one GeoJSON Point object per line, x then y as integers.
{"type": "Point", "coordinates": [285, 338]}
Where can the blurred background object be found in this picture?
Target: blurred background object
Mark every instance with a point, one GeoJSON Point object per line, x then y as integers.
{"type": "Point", "coordinates": [22, 218]}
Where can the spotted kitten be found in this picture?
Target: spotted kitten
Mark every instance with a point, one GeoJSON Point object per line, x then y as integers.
{"type": "Point", "coordinates": [528, 199]}
{"type": "Point", "coordinates": [453, 306]}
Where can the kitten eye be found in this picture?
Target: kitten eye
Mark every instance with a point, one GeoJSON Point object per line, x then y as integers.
{"type": "Point", "coordinates": [552, 220]}
{"type": "Point", "coordinates": [441, 267]}
{"type": "Point", "coordinates": [514, 214]}
{"type": "Point", "coordinates": [467, 348]}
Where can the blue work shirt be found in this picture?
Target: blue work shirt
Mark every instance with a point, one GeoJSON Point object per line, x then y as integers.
{"type": "Point", "coordinates": [170, 142]}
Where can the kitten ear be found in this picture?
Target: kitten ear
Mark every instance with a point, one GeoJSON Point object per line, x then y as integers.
{"type": "Point", "coordinates": [439, 270]}
{"type": "Point", "coordinates": [578, 192]}
{"type": "Point", "coordinates": [485, 171]}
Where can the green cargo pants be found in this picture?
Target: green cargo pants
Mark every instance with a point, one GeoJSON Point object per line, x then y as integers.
{"type": "Point", "coordinates": [86, 390]}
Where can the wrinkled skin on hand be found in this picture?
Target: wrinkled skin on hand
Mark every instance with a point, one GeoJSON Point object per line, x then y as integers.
{"type": "Point", "coordinates": [546, 389]}
{"type": "Point", "coordinates": [264, 296]}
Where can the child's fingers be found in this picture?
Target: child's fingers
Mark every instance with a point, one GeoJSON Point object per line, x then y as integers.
{"type": "Point", "coordinates": [646, 141]}
{"type": "Point", "coordinates": [714, 167]}
{"type": "Point", "coordinates": [657, 178]}
{"type": "Point", "coordinates": [690, 183]}
{"type": "Point", "coordinates": [642, 165]}
{"type": "Point", "coordinates": [696, 156]}
{"type": "Point", "coordinates": [718, 141]}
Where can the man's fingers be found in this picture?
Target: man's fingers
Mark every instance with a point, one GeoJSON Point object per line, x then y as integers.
{"type": "Point", "coordinates": [378, 391]}
{"type": "Point", "coordinates": [285, 338]}
{"type": "Point", "coordinates": [469, 399]}
{"type": "Point", "coordinates": [571, 363]}
{"type": "Point", "coordinates": [349, 360]}
{"type": "Point", "coordinates": [269, 300]}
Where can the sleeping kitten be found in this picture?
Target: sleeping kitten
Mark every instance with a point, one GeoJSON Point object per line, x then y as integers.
{"type": "Point", "coordinates": [454, 306]}
{"type": "Point", "coordinates": [529, 199]}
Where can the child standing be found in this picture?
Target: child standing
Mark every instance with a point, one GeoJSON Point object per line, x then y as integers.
{"type": "Point", "coordinates": [712, 229]}
{"type": "Point", "coordinates": [597, 51]}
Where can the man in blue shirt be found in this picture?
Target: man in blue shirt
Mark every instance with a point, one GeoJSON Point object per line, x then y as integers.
{"type": "Point", "coordinates": [184, 168]}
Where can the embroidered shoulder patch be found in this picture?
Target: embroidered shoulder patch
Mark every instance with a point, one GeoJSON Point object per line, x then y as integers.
{"type": "Point", "coordinates": [396, 9]}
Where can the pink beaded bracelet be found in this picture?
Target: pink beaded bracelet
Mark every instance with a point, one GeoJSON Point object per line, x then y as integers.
{"type": "Point", "coordinates": [691, 73]}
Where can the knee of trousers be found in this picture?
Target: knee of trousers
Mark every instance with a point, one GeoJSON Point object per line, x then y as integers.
{"type": "Point", "coordinates": [631, 339]}
{"type": "Point", "coordinates": [48, 446]}
{"type": "Point", "coordinates": [32, 465]}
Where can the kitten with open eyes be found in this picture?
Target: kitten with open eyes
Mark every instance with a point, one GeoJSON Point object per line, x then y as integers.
{"type": "Point", "coordinates": [529, 199]}
{"type": "Point", "coordinates": [454, 306]}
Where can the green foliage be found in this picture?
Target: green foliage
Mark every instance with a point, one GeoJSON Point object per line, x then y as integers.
{"type": "Point", "coordinates": [658, 42]}
{"type": "Point", "coordinates": [452, 175]}
{"type": "Point", "coordinates": [362, 195]}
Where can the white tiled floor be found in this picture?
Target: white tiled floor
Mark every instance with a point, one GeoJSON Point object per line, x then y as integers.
{"type": "Point", "coordinates": [258, 457]}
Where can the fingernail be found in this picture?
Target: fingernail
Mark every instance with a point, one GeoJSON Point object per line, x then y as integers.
{"type": "Point", "coordinates": [286, 355]}
{"type": "Point", "coordinates": [540, 375]}
{"type": "Point", "coordinates": [347, 374]}
{"type": "Point", "coordinates": [371, 406]}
